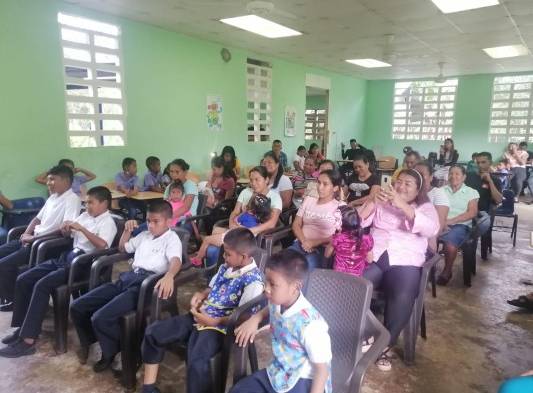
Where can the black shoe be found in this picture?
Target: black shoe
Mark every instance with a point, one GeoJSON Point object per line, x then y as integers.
{"type": "Point", "coordinates": [6, 307]}
{"type": "Point", "coordinates": [443, 279]}
{"type": "Point", "coordinates": [83, 354]}
{"type": "Point", "coordinates": [103, 364]}
{"type": "Point", "coordinates": [17, 350]}
{"type": "Point", "coordinates": [12, 338]}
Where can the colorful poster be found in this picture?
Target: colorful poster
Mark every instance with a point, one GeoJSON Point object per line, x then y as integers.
{"type": "Point", "coordinates": [290, 121]}
{"type": "Point", "coordinates": [214, 113]}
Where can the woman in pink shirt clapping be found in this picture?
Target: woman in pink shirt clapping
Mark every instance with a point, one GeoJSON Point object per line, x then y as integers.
{"type": "Point", "coordinates": [402, 220]}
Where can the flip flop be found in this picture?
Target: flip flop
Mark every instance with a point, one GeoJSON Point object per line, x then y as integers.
{"type": "Point", "coordinates": [195, 261]}
{"type": "Point", "coordinates": [522, 302]}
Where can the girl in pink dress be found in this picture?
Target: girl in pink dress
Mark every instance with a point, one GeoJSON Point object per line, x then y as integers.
{"type": "Point", "coordinates": [351, 247]}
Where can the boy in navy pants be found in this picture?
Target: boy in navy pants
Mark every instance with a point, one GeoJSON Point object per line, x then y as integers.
{"type": "Point", "coordinates": [96, 315]}
{"type": "Point", "coordinates": [238, 281]}
{"type": "Point", "coordinates": [94, 229]}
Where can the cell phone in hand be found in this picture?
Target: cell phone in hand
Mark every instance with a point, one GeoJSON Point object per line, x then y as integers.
{"type": "Point", "coordinates": [385, 182]}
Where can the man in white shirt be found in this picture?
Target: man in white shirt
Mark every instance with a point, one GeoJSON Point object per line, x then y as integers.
{"type": "Point", "coordinates": [62, 205]}
{"type": "Point", "coordinates": [158, 250]}
{"type": "Point", "coordinates": [93, 230]}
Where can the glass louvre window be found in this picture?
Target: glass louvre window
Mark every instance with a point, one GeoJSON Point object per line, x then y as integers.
{"type": "Point", "coordinates": [94, 89]}
{"type": "Point", "coordinates": [511, 116]}
{"type": "Point", "coordinates": [423, 110]}
{"type": "Point", "coordinates": [259, 100]}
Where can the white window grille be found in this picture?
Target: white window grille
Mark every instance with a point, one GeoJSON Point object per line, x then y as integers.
{"type": "Point", "coordinates": [259, 100]}
{"type": "Point", "coordinates": [94, 84]}
{"type": "Point", "coordinates": [423, 110]}
{"type": "Point", "coordinates": [511, 117]}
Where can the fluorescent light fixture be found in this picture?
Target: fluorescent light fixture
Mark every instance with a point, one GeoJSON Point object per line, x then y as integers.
{"type": "Point", "coordinates": [500, 52]}
{"type": "Point", "coordinates": [449, 6]}
{"type": "Point", "coordinates": [369, 63]}
{"type": "Point", "coordinates": [261, 26]}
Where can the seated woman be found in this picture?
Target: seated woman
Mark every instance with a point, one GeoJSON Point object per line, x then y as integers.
{"type": "Point", "coordinates": [314, 151]}
{"type": "Point", "coordinates": [300, 181]}
{"type": "Point", "coordinates": [258, 185]}
{"type": "Point", "coordinates": [448, 156]}
{"type": "Point", "coordinates": [463, 208]}
{"type": "Point", "coordinates": [403, 220]}
{"type": "Point", "coordinates": [221, 184]}
{"type": "Point", "coordinates": [437, 197]}
{"type": "Point", "coordinates": [228, 154]}
{"type": "Point", "coordinates": [318, 219]}
{"type": "Point", "coordinates": [278, 182]}
{"type": "Point", "coordinates": [363, 184]}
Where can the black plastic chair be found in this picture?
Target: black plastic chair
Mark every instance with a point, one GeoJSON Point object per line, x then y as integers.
{"type": "Point", "coordinates": [78, 279]}
{"type": "Point", "coordinates": [344, 302]}
{"type": "Point", "coordinates": [132, 324]}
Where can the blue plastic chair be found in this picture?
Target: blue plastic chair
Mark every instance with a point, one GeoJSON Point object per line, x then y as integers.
{"type": "Point", "coordinates": [23, 211]}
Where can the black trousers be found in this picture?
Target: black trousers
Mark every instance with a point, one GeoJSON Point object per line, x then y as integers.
{"type": "Point", "coordinates": [202, 345]}
{"type": "Point", "coordinates": [12, 255]}
{"type": "Point", "coordinates": [32, 292]}
{"type": "Point", "coordinates": [96, 315]}
{"type": "Point", "coordinates": [258, 382]}
{"type": "Point", "coordinates": [400, 285]}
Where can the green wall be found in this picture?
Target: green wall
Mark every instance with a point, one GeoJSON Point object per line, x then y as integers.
{"type": "Point", "coordinates": [316, 102]}
{"type": "Point", "coordinates": [167, 77]}
{"type": "Point", "coordinates": [471, 123]}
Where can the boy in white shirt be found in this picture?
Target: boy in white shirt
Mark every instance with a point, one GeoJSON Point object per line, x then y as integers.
{"type": "Point", "coordinates": [96, 314]}
{"type": "Point", "coordinates": [92, 230]}
{"type": "Point", "coordinates": [62, 205]}
{"type": "Point", "coordinates": [300, 341]}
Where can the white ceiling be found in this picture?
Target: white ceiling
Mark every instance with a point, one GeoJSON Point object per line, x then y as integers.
{"type": "Point", "coordinates": [335, 30]}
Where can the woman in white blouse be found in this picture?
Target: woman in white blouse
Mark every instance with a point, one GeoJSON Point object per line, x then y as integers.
{"type": "Point", "coordinates": [278, 181]}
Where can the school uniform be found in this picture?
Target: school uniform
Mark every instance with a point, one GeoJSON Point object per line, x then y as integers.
{"type": "Point", "coordinates": [128, 182]}
{"type": "Point", "coordinates": [229, 289]}
{"type": "Point", "coordinates": [299, 337]}
{"type": "Point", "coordinates": [96, 315]}
{"type": "Point", "coordinates": [56, 210]}
{"type": "Point", "coordinates": [34, 287]}
{"type": "Point", "coordinates": [152, 179]}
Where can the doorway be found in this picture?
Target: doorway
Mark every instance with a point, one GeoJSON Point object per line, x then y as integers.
{"type": "Point", "coordinates": [316, 117]}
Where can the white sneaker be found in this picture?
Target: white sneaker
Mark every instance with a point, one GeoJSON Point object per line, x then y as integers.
{"type": "Point", "coordinates": [95, 353]}
{"type": "Point", "coordinates": [367, 344]}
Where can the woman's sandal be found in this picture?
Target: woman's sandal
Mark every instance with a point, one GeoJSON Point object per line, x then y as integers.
{"type": "Point", "coordinates": [195, 261]}
{"type": "Point", "coordinates": [522, 302]}
{"type": "Point", "coordinates": [367, 344]}
{"type": "Point", "coordinates": [384, 361]}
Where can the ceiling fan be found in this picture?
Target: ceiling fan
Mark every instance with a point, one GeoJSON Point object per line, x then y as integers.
{"type": "Point", "coordinates": [441, 78]}
{"type": "Point", "coordinates": [259, 8]}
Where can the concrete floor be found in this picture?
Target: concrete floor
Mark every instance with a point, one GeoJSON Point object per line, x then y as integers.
{"type": "Point", "coordinates": [475, 339]}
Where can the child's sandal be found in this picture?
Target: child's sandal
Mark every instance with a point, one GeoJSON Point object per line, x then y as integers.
{"type": "Point", "coordinates": [384, 362]}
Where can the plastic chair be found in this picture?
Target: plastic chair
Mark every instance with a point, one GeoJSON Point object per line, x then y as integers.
{"type": "Point", "coordinates": [132, 324]}
{"type": "Point", "coordinates": [23, 211]}
{"type": "Point", "coordinates": [78, 279]}
{"type": "Point", "coordinates": [506, 210]}
{"type": "Point", "coordinates": [344, 302]}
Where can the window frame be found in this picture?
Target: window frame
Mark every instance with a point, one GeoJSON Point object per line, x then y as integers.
{"type": "Point", "coordinates": [440, 122]}
{"type": "Point", "coordinates": [93, 83]}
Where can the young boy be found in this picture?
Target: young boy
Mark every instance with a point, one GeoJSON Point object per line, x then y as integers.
{"type": "Point", "coordinates": [153, 179]}
{"type": "Point", "coordinates": [127, 182]}
{"type": "Point", "coordinates": [92, 230]}
{"type": "Point", "coordinates": [62, 205]}
{"type": "Point", "coordinates": [300, 341]}
{"type": "Point", "coordinates": [78, 181]}
{"type": "Point", "coordinates": [236, 282]}
{"type": "Point", "coordinates": [96, 315]}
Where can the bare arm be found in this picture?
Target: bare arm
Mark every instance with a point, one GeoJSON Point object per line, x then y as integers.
{"type": "Point", "coordinates": [42, 178]}
{"type": "Point", "coordinates": [271, 223]}
{"type": "Point", "coordinates": [4, 202]}
{"type": "Point", "coordinates": [469, 214]}
{"type": "Point", "coordinates": [373, 191]}
{"type": "Point", "coordinates": [286, 198]}
{"type": "Point", "coordinates": [129, 226]}
{"type": "Point", "coordinates": [236, 211]}
{"type": "Point", "coordinates": [320, 377]}
{"type": "Point", "coordinates": [165, 285]}
{"type": "Point", "coordinates": [88, 174]}
{"type": "Point", "coordinates": [96, 241]}
{"type": "Point", "coordinates": [442, 212]}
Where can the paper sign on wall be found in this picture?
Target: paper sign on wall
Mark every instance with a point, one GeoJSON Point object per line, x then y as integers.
{"type": "Point", "coordinates": [290, 121]}
{"type": "Point", "coordinates": [214, 113]}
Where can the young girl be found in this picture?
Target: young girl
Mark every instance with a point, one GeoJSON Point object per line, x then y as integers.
{"type": "Point", "coordinates": [314, 151]}
{"type": "Point", "coordinates": [258, 185]}
{"type": "Point", "coordinates": [221, 185]}
{"type": "Point", "coordinates": [257, 212]}
{"type": "Point", "coordinates": [352, 248]}
{"type": "Point", "coordinates": [175, 198]}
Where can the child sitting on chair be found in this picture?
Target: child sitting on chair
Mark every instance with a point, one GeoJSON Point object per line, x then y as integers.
{"type": "Point", "coordinates": [256, 212]}
{"type": "Point", "coordinates": [351, 247]}
{"type": "Point", "coordinates": [175, 198]}
{"type": "Point", "coordinates": [237, 282]}
{"type": "Point", "coordinates": [300, 341]}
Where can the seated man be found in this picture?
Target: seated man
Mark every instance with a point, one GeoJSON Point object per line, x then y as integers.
{"type": "Point", "coordinates": [96, 314]}
{"type": "Point", "coordinates": [94, 229]}
{"type": "Point", "coordinates": [237, 281]}
{"type": "Point", "coordinates": [62, 205]}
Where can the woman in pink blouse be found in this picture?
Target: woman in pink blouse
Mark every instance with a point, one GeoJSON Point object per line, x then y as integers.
{"type": "Point", "coordinates": [403, 220]}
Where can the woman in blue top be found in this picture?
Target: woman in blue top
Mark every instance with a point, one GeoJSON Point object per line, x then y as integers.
{"type": "Point", "coordinates": [178, 170]}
